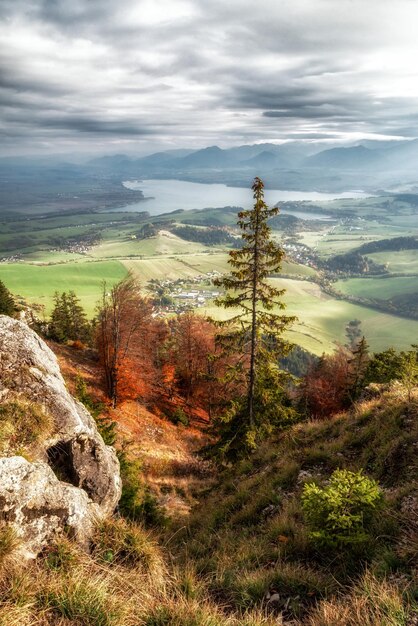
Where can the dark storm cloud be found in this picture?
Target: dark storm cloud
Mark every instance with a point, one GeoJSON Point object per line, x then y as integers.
{"type": "Point", "coordinates": [93, 125]}
{"type": "Point", "coordinates": [197, 72]}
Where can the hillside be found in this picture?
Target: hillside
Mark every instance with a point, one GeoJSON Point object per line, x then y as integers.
{"type": "Point", "coordinates": [250, 540]}
{"type": "Point", "coordinates": [235, 547]}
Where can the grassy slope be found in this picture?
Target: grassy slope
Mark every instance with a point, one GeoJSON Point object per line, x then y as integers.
{"type": "Point", "coordinates": [404, 261]}
{"type": "Point", "coordinates": [163, 243]}
{"type": "Point", "coordinates": [249, 539]}
{"type": "Point", "coordinates": [245, 542]}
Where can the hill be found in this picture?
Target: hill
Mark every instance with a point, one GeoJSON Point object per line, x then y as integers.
{"type": "Point", "coordinates": [345, 158]}
{"type": "Point", "coordinates": [244, 555]}
{"type": "Point", "coordinates": [250, 541]}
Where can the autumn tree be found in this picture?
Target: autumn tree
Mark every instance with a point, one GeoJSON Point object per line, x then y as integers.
{"type": "Point", "coordinates": [199, 368]}
{"type": "Point", "coordinates": [325, 390]}
{"type": "Point", "coordinates": [191, 346]}
{"type": "Point", "coordinates": [256, 330]}
{"type": "Point", "coordinates": [126, 340]}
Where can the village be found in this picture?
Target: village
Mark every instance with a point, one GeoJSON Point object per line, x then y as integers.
{"type": "Point", "coordinates": [182, 294]}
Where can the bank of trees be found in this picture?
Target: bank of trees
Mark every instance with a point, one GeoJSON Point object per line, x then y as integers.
{"type": "Point", "coordinates": [336, 381]}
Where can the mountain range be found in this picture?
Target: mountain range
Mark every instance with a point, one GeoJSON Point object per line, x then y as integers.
{"type": "Point", "coordinates": [303, 166]}
{"type": "Point", "coordinates": [389, 156]}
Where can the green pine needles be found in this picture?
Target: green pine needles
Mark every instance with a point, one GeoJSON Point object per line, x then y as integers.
{"type": "Point", "coordinates": [255, 332]}
{"type": "Point", "coordinates": [341, 514]}
{"type": "Point", "coordinates": [7, 304]}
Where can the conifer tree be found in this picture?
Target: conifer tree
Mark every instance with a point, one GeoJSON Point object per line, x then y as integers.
{"type": "Point", "coordinates": [358, 367]}
{"type": "Point", "coordinates": [68, 319]}
{"type": "Point", "coordinates": [7, 305]}
{"type": "Point", "coordinates": [256, 330]}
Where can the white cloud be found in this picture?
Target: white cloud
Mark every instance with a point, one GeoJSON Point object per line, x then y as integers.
{"type": "Point", "coordinates": [193, 73]}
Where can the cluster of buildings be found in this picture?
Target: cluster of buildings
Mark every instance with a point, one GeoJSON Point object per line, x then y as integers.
{"type": "Point", "coordinates": [182, 294]}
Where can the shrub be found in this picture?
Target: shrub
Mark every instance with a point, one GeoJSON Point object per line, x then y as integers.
{"type": "Point", "coordinates": [137, 503]}
{"type": "Point", "coordinates": [106, 426]}
{"type": "Point", "coordinates": [178, 416]}
{"type": "Point", "coordinates": [7, 304]}
{"type": "Point", "coordinates": [340, 514]}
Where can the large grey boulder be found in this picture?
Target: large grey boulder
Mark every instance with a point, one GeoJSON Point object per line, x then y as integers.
{"type": "Point", "coordinates": [38, 506]}
{"type": "Point", "coordinates": [74, 449]}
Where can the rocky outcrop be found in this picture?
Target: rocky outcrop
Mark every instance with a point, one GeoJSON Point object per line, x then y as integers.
{"type": "Point", "coordinates": [73, 454]}
{"type": "Point", "coordinates": [37, 506]}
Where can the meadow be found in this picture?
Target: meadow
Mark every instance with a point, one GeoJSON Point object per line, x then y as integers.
{"type": "Point", "coordinates": [322, 319]}
{"type": "Point", "coordinates": [402, 262]}
{"type": "Point", "coordinates": [382, 287]}
{"type": "Point", "coordinates": [38, 283]}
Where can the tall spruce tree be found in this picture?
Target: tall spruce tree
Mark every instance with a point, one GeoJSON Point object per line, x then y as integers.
{"type": "Point", "coordinates": [7, 305]}
{"type": "Point", "coordinates": [256, 330]}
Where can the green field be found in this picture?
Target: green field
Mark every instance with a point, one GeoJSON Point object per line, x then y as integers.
{"type": "Point", "coordinates": [322, 320]}
{"type": "Point", "coordinates": [38, 283]}
{"type": "Point", "coordinates": [164, 243]}
{"type": "Point", "coordinates": [378, 288]}
{"type": "Point", "coordinates": [402, 262]}
{"type": "Point", "coordinates": [187, 266]}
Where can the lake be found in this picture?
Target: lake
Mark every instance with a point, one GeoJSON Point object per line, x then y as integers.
{"type": "Point", "coordinates": [165, 196]}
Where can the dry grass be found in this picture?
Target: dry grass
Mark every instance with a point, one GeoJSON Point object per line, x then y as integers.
{"type": "Point", "coordinates": [85, 591]}
{"type": "Point", "coordinates": [129, 545]}
{"type": "Point", "coordinates": [371, 603]}
{"type": "Point", "coordinates": [8, 544]}
{"type": "Point", "coordinates": [22, 425]}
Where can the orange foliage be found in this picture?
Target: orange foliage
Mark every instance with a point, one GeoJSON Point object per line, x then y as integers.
{"type": "Point", "coordinates": [325, 389]}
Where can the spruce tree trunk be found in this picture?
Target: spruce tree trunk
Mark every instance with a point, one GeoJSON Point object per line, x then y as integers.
{"type": "Point", "coordinates": [252, 372]}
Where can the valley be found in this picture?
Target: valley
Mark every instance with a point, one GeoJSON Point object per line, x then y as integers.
{"type": "Point", "coordinates": [81, 249]}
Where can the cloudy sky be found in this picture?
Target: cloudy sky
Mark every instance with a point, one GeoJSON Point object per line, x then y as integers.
{"type": "Point", "coordinates": [138, 75]}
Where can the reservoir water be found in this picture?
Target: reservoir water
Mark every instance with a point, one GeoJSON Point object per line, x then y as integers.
{"type": "Point", "coordinates": [165, 196]}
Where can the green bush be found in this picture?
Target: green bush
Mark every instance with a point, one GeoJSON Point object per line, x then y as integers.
{"type": "Point", "coordinates": [137, 504]}
{"type": "Point", "coordinates": [106, 427]}
{"type": "Point", "coordinates": [179, 416]}
{"type": "Point", "coordinates": [7, 304]}
{"type": "Point", "coordinates": [340, 515]}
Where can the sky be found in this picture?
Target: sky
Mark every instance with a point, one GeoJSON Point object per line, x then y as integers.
{"type": "Point", "coordinates": [133, 76]}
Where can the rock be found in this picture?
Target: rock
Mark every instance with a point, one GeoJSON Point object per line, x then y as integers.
{"type": "Point", "coordinates": [303, 476]}
{"type": "Point", "coordinates": [270, 510]}
{"type": "Point", "coordinates": [38, 506]}
{"type": "Point", "coordinates": [74, 449]}
{"type": "Point", "coordinates": [274, 598]}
